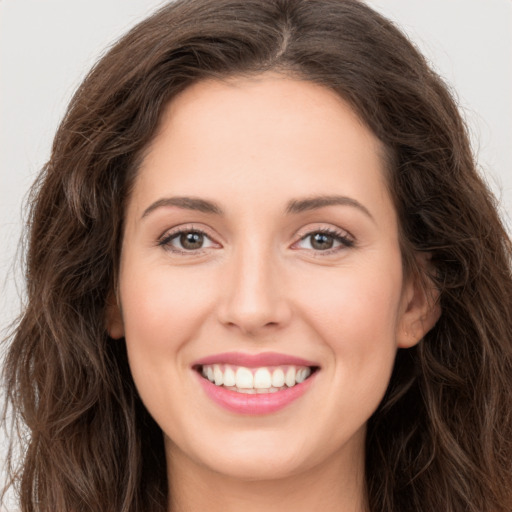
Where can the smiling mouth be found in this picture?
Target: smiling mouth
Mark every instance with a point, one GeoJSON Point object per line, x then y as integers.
{"type": "Point", "coordinates": [265, 379]}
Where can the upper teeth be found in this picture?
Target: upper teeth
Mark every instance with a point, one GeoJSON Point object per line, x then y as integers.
{"type": "Point", "coordinates": [255, 378]}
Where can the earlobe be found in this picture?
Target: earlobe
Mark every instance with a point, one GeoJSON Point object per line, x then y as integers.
{"type": "Point", "coordinates": [114, 318]}
{"type": "Point", "coordinates": [420, 309]}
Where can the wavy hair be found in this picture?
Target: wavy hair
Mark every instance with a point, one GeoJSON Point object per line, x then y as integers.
{"type": "Point", "coordinates": [441, 440]}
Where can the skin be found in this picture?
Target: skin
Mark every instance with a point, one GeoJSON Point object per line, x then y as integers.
{"type": "Point", "coordinates": [252, 146]}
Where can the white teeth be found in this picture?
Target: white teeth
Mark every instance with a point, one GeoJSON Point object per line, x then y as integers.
{"type": "Point", "coordinates": [218, 375]}
{"type": "Point", "coordinates": [255, 380]}
{"type": "Point", "coordinates": [244, 378]}
{"type": "Point", "coordinates": [229, 377]}
{"type": "Point", "coordinates": [278, 378]}
{"type": "Point", "coordinates": [250, 391]}
{"type": "Point", "coordinates": [253, 391]}
{"type": "Point", "coordinates": [262, 379]}
{"type": "Point", "coordinates": [290, 377]}
{"type": "Point", "coordinates": [302, 375]}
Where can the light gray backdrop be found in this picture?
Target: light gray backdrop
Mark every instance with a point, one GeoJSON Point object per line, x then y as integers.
{"type": "Point", "coordinates": [47, 46]}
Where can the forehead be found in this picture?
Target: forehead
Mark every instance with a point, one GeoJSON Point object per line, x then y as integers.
{"type": "Point", "coordinates": [258, 136]}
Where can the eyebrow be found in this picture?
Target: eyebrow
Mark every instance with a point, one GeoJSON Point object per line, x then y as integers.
{"type": "Point", "coordinates": [187, 203]}
{"type": "Point", "coordinates": [314, 203]}
{"type": "Point", "coordinates": [293, 207]}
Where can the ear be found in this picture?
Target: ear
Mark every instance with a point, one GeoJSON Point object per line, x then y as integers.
{"type": "Point", "coordinates": [114, 317]}
{"type": "Point", "coordinates": [420, 308]}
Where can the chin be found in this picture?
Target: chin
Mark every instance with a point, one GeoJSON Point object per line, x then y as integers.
{"type": "Point", "coordinates": [255, 457]}
{"type": "Point", "coordinates": [259, 468]}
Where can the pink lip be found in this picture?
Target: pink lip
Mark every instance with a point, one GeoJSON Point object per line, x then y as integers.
{"type": "Point", "coordinates": [260, 403]}
{"type": "Point", "coordinates": [254, 360]}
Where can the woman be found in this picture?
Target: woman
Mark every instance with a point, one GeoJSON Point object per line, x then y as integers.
{"type": "Point", "coordinates": [264, 273]}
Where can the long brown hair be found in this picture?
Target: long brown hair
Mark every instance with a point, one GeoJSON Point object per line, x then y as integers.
{"type": "Point", "coordinates": [442, 438]}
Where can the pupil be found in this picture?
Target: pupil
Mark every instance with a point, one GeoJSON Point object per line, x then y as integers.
{"type": "Point", "coordinates": [322, 241]}
{"type": "Point", "coordinates": [191, 240]}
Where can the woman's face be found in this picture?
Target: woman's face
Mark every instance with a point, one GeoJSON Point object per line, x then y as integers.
{"type": "Point", "coordinates": [260, 247]}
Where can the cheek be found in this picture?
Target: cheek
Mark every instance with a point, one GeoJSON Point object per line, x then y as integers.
{"type": "Point", "coordinates": [359, 297]}
{"type": "Point", "coordinates": [356, 315]}
{"type": "Point", "coordinates": [163, 308]}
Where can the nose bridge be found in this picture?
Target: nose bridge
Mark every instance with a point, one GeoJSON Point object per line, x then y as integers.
{"type": "Point", "coordinates": [254, 298]}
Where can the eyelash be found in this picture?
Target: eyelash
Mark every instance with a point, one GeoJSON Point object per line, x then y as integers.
{"type": "Point", "coordinates": [166, 240]}
{"type": "Point", "coordinates": [345, 240]}
{"type": "Point", "coordinates": [341, 237]}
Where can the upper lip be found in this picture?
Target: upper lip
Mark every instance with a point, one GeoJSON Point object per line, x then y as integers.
{"type": "Point", "coordinates": [254, 360]}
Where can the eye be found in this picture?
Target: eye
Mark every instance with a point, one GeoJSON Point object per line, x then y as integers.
{"type": "Point", "coordinates": [187, 241]}
{"type": "Point", "coordinates": [325, 240]}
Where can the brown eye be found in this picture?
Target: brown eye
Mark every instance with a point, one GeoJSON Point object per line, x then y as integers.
{"type": "Point", "coordinates": [325, 241]}
{"type": "Point", "coordinates": [187, 241]}
{"type": "Point", "coordinates": [321, 241]}
{"type": "Point", "coordinates": [191, 240]}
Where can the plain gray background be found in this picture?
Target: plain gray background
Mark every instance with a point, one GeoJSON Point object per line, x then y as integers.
{"type": "Point", "coordinates": [47, 46]}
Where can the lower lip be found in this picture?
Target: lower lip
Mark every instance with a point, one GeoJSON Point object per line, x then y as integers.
{"type": "Point", "coordinates": [258, 403]}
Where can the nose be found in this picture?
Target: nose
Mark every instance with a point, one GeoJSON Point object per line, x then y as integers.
{"type": "Point", "coordinates": [254, 300]}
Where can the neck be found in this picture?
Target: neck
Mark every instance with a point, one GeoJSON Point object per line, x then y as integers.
{"type": "Point", "coordinates": [334, 486]}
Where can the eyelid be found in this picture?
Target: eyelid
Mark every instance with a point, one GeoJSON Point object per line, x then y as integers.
{"type": "Point", "coordinates": [170, 234]}
{"type": "Point", "coordinates": [342, 236]}
{"type": "Point", "coordinates": [345, 238]}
